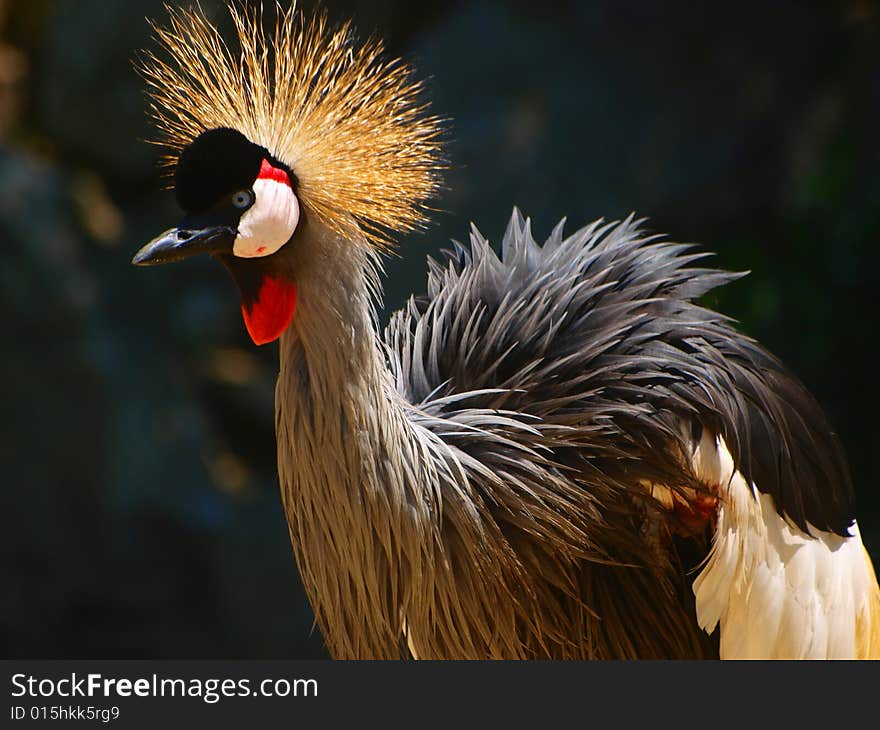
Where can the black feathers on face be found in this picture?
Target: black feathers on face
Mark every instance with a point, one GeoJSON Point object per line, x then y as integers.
{"type": "Point", "coordinates": [216, 163]}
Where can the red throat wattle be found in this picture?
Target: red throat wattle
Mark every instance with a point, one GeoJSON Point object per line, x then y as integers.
{"type": "Point", "coordinates": [268, 315]}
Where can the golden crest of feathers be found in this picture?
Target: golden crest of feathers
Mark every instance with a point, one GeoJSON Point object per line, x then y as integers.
{"type": "Point", "coordinates": [348, 122]}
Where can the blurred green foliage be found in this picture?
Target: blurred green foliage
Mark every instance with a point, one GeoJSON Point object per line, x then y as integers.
{"type": "Point", "coordinates": [139, 490]}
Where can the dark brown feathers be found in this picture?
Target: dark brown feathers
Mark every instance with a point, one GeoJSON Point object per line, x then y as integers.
{"type": "Point", "coordinates": [599, 332]}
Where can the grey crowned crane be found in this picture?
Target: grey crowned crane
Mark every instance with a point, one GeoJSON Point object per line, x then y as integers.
{"type": "Point", "coordinates": [556, 452]}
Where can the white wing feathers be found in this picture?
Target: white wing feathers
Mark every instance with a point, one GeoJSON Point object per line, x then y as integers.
{"type": "Point", "coordinates": [777, 592]}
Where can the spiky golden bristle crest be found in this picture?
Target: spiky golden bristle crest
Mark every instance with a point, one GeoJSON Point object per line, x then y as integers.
{"type": "Point", "coordinates": [350, 124]}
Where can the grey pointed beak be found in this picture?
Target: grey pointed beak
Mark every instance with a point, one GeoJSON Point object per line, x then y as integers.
{"type": "Point", "coordinates": [182, 242]}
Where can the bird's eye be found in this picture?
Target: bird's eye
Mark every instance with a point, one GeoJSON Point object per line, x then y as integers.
{"type": "Point", "coordinates": [243, 199]}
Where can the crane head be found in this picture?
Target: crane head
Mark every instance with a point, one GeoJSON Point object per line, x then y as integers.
{"type": "Point", "coordinates": [304, 122]}
{"type": "Point", "coordinates": [239, 203]}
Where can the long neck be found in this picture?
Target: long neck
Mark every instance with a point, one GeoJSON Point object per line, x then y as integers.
{"type": "Point", "coordinates": [347, 455]}
{"type": "Point", "coordinates": [395, 546]}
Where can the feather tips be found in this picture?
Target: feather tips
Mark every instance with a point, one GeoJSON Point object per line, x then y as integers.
{"type": "Point", "coordinates": [602, 324]}
{"type": "Point", "coordinates": [351, 124]}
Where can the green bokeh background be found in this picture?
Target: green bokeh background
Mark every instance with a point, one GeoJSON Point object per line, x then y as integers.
{"type": "Point", "coordinates": [139, 499]}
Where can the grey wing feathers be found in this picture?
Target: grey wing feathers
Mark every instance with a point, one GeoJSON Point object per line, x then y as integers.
{"type": "Point", "coordinates": [592, 347]}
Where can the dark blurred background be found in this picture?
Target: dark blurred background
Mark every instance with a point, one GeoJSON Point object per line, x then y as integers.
{"type": "Point", "coordinates": [139, 498]}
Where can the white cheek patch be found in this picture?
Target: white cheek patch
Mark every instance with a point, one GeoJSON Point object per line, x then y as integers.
{"type": "Point", "coordinates": [270, 222]}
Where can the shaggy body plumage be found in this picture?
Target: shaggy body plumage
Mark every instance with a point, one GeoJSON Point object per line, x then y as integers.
{"type": "Point", "coordinates": [544, 451]}
{"type": "Point", "coordinates": [486, 496]}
